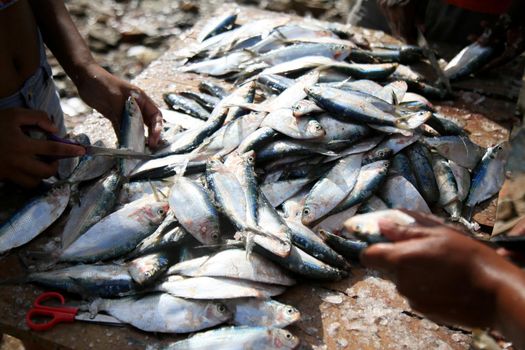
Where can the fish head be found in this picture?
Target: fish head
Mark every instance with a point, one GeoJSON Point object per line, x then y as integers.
{"type": "Point", "coordinates": [340, 51]}
{"type": "Point", "coordinates": [249, 157]}
{"type": "Point", "coordinates": [500, 151]}
{"type": "Point", "coordinates": [288, 314]}
{"type": "Point", "coordinates": [315, 129]}
{"type": "Point", "coordinates": [282, 339]}
{"type": "Point", "coordinates": [156, 212]}
{"type": "Point", "coordinates": [218, 311]}
{"type": "Point", "coordinates": [378, 153]}
{"type": "Point", "coordinates": [362, 225]}
{"type": "Point", "coordinates": [308, 214]}
{"type": "Point", "coordinates": [300, 108]}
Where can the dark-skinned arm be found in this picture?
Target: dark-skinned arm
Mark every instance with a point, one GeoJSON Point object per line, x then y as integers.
{"type": "Point", "coordinates": [97, 87]}
{"type": "Point", "coordinates": [404, 17]}
{"type": "Point", "coordinates": [452, 278]}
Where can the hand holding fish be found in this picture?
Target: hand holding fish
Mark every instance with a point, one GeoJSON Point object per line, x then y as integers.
{"type": "Point", "coordinates": [20, 155]}
{"type": "Point", "coordinates": [108, 93]}
{"type": "Point", "coordinates": [450, 277]}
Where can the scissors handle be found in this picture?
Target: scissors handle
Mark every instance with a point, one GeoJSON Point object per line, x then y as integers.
{"type": "Point", "coordinates": [57, 314]}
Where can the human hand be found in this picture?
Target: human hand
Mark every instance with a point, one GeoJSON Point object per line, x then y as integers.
{"type": "Point", "coordinates": [107, 94]}
{"type": "Point", "coordinates": [445, 275]}
{"type": "Point", "coordinates": [403, 16]}
{"type": "Point", "coordinates": [20, 155]}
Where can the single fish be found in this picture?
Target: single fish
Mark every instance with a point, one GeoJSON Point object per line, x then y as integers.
{"type": "Point", "coordinates": [399, 193]}
{"type": "Point", "coordinates": [95, 204]}
{"type": "Point", "coordinates": [310, 243]}
{"type": "Point", "coordinates": [273, 83]}
{"type": "Point", "coordinates": [458, 149]}
{"type": "Point", "coordinates": [117, 233]}
{"type": "Point", "coordinates": [448, 188]}
{"type": "Point", "coordinates": [284, 121]}
{"type": "Point", "coordinates": [401, 166]}
{"type": "Point", "coordinates": [257, 139]}
{"type": "Point", "coordinates": [207, 101]}
{"type": "Point", "coordinates": [148, 268]}
{"type": "Point", "coordinates": [165, 238]}
{"type": "Point", "coordinates": [469, 60]}
{"type": "Point", "coordinates": [165, 313]}
{"type": "Point", "coordinates": [370, 178]}
{"type": "Point", "coordinates": [488, 177]}
{"type": "Point", "coordinates": [462, 176]}
{"type": "Point", "coordinates": [372, 204]}
{"type": "Point", "coordinates": [366, 226]}
{"type": "Point", "coordinates": [265, 313]}
{"type": "Point", "coordinates": [91, 167]}
{"type": "Point", "coordinates": [238, 338]}
{"type": "Point", "coordinates": [35, 217]}
{"type": "Point", "coordinates": [194, 210]}
{"type": "Point", "coordinates": [305, 265]}
{"type": "Point", "coordinates": [216, 288]}
{"type": "Point", "coordinates": [105, 281]}
{"type": "Point", "coordinates": [212, 88]}
{"type": "Point", "coordinates": [284, 148]}
{"type": "Point", "coordinates": [331, 189]}
{"type": "Point", "coordinates": [186, 105]}
{"type": "Point", "coordinates": [349, 248]}
{"type": "Point", "coordinates": [421, 163]}
{"type": "Point", "coordinates": [131, 134]}
{"type": "Point", "coordinates": [234, 264]}
{"type": "Point", "coordinates": [218, 25]}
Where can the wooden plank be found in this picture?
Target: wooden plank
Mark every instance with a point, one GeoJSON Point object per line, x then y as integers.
{"type": "Point", "coordinates": [360, 312]}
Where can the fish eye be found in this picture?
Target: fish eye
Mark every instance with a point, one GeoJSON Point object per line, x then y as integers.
{"type": "Point", "coordinates": [161, 211]}
{"type": "Point", "coordinates": [221, 308]}
{"type": "Point", "coordinates": [306, 211]}
{"type": "Point", "coordinates": [318, 127]}
{"type": "Point", "coordinates": [288, 335]}
{"type": "Point", "coordinates": [381, 154]}
{"type": "Point", "coordinates": [251, 159]}
{"type": "Point", "coordinates": [289, 310]}
{"type": "Point", "coordinates": [500, 148]}
{"type": "Point", "coordinates": [215, 236]}
{"type": "Point", "coordinates": [358, 227]}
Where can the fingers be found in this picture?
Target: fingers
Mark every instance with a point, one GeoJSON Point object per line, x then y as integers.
{"type": "Point", "coordinates": [424, 218]}
{"type": "Point", "coordinates": [37, 118]}
{"type": "Point", "coordinates": [379, 256]}
{"type": "Point", "coordinates": [152, 117]}
{"type": "Point", "coordinates": [395, 232]}
{"type": "Point", "coordinates": [56, 149]}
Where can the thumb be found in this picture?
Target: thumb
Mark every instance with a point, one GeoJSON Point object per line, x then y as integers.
{"type": "Point", "coordinates": [395, 232]}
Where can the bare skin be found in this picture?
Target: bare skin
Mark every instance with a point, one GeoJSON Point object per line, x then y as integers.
{"type": "Point", "coordinates": [97, 87]}
{"type": "Point", "coordinates": [452, 278]}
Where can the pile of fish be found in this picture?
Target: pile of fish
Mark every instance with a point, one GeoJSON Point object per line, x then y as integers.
{"type": "Point", "coordinates": [253, 183]}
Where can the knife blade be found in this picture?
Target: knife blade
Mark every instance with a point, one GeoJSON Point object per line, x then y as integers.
{"type": "Point", "coordinates": [429, 53]}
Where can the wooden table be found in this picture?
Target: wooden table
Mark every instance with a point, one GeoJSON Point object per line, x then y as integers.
{"type": "Point", "coordinates": [363, 311]}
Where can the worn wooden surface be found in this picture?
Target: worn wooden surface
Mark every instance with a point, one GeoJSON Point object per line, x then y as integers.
{"type": "Point", "coordinates": [360, 312]}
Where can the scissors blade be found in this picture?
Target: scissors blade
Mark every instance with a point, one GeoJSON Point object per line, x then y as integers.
{"type": "Point", "coordinates": [422, 42]}
{"type": "Point", "coordinates": [117, 153]}
{"type": "Point", "coordinates": [99, 318]}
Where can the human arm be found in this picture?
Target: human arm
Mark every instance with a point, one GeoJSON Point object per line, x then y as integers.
{"type": "Point", "coordinates": [96, 86]}
{"type": "Point", "coordinates": [21, 156]}
{"type": "Point", "coordinates": [452, 278]}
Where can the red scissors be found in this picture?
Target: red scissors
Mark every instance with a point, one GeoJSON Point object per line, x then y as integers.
{"type": "Point", "coordinates": [61, 313]}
